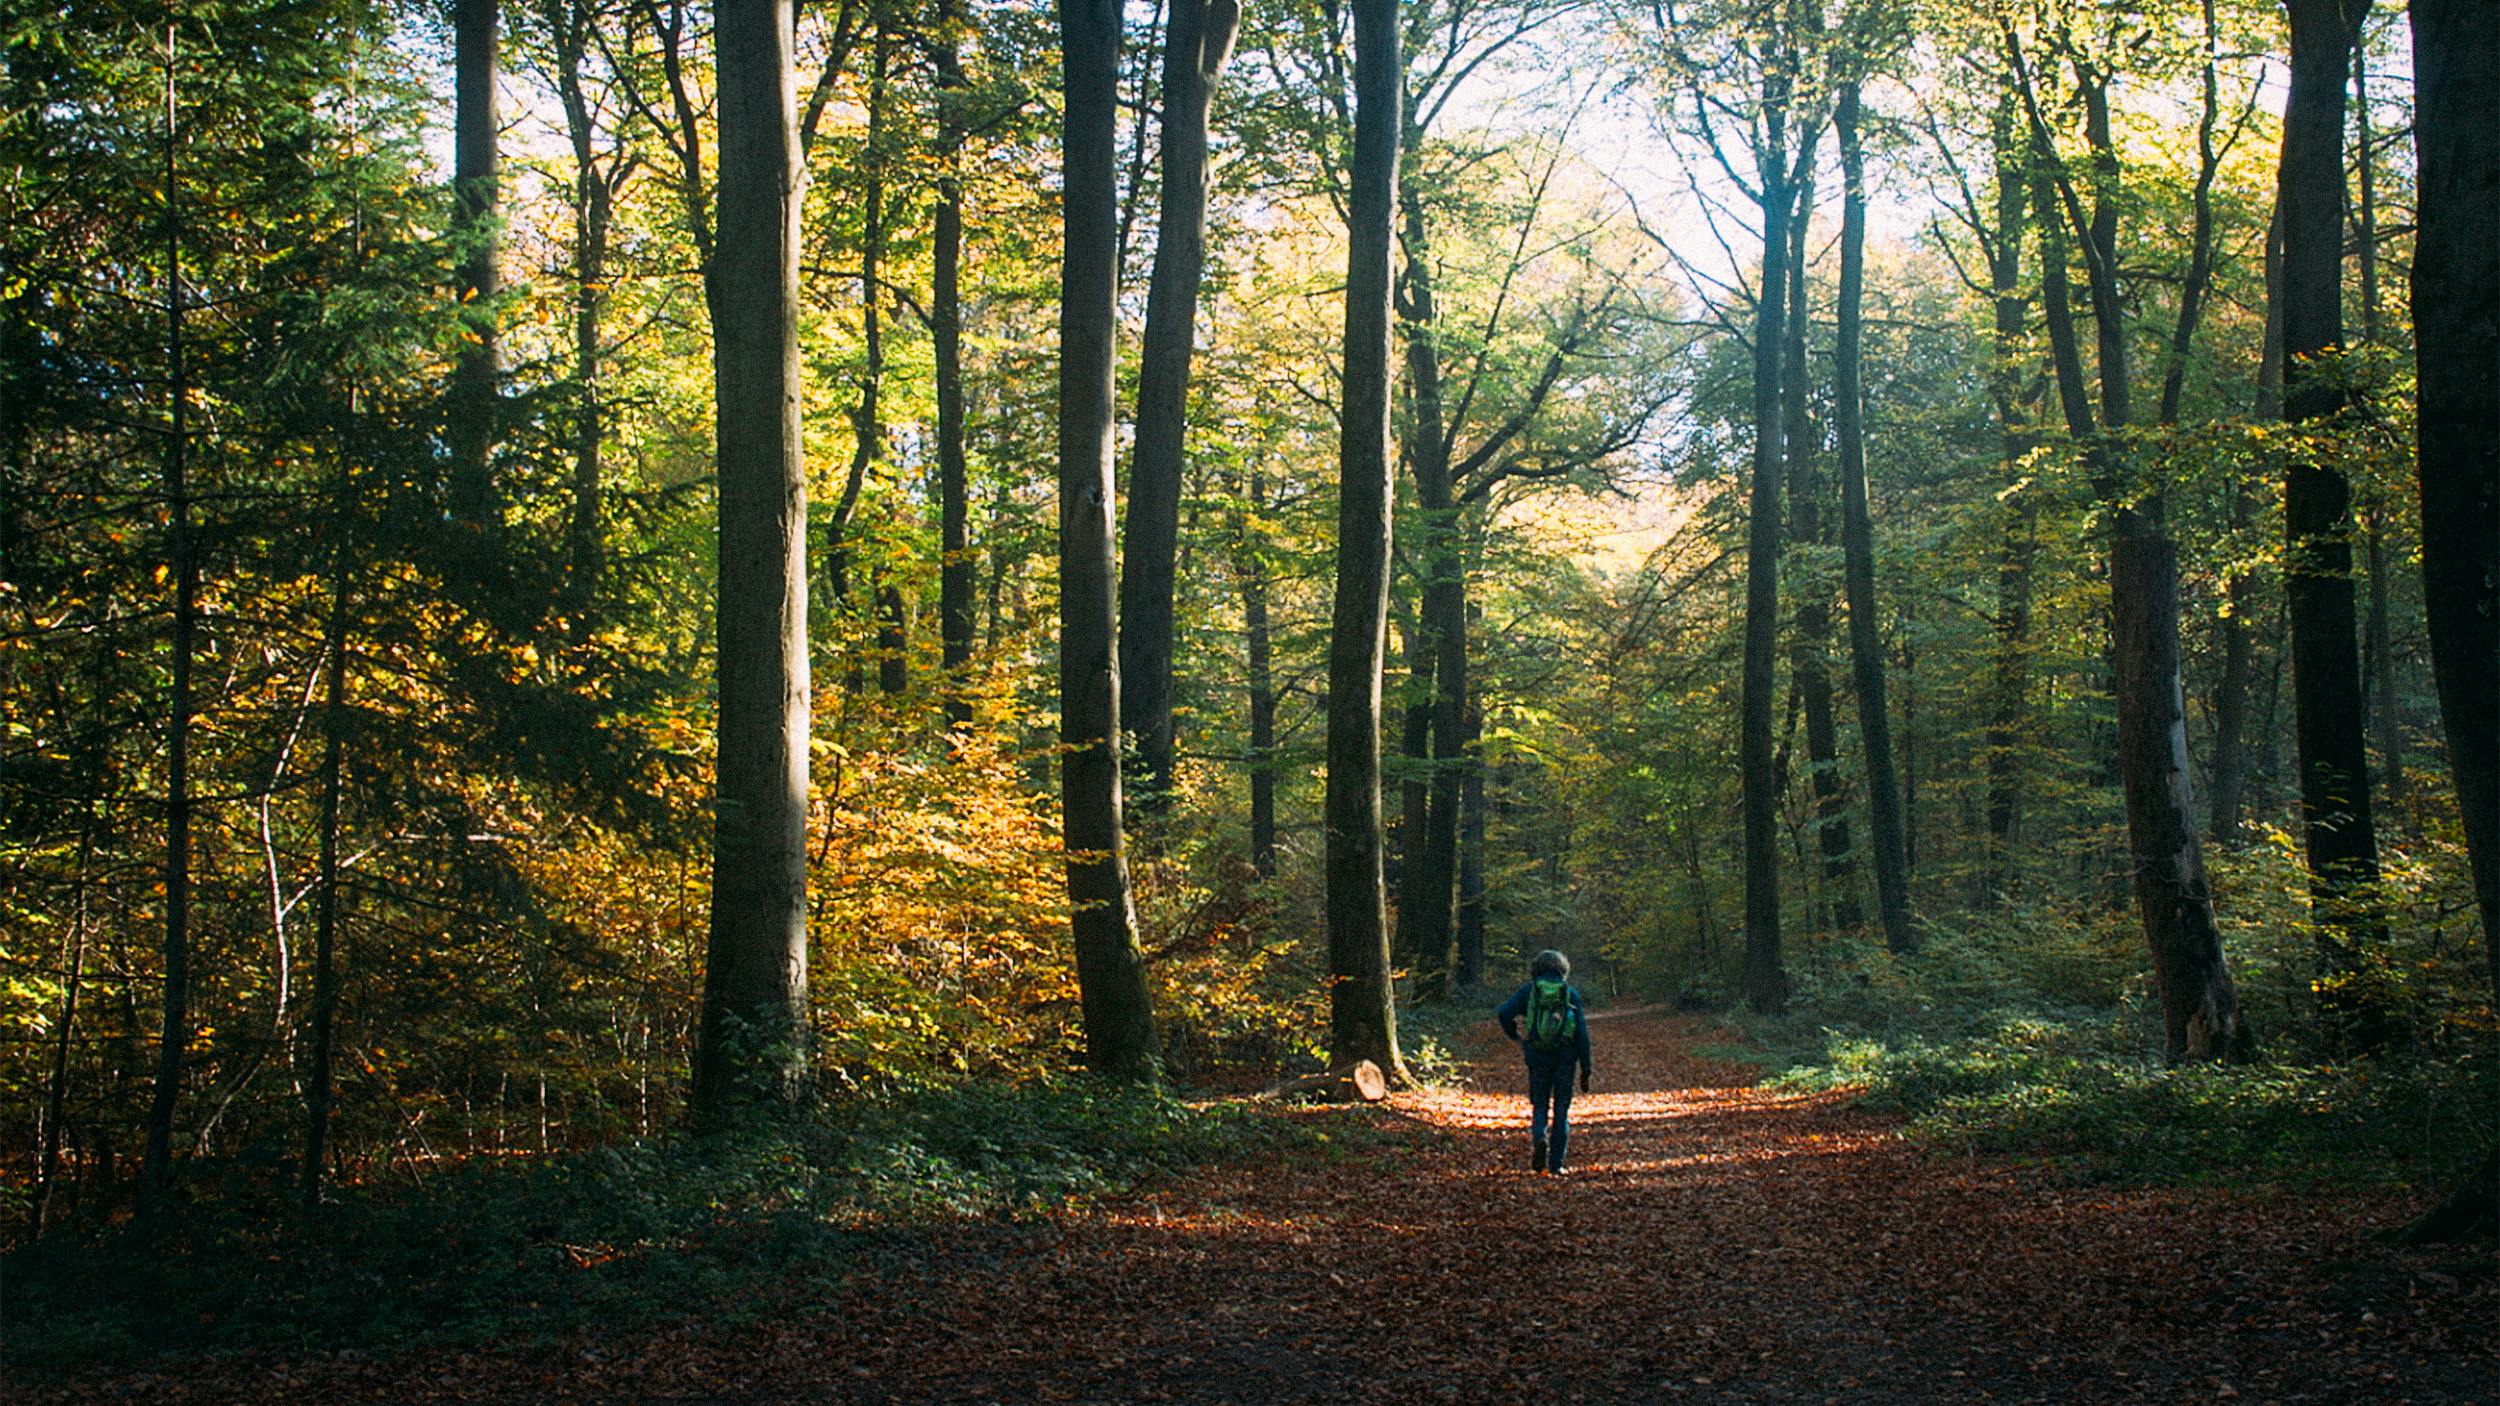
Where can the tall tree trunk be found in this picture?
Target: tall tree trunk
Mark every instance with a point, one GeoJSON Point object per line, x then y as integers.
{"type": "Point", "coordinates": [957, 565]}
{"type": "Point", "coordinates": [593, 212]}
{"type": "Point", "coordinates": [1430, 879]}
{"type": "Point", "coordinates": [1196, 42]}
{"type": "Point", "coordinates": [2200, 1006]}
{"type": "Point", "coordinates": [477, 239]}
{"type": "Point", "coordinates": [867, 412]}
{"type": "Point", "coordinates": [1404, 870]}
{"type": "Point", "coordinates": [174, 1029]}
{"type": "Point", "coordinates": [1857, 539]}
{"type": "Point", "coordinates": [1362, 1014]}
{"type": "Point", "coordinates": [753, 1043]}
{"type": "Point", "coordinates": [1470, 974]}
{"type": "Point", "coordinates": [2010, 683]}
{"type": "Point", "coordinates": [2239, 592]}
{"type": "Point", "coordinates": [2456, 328]}
{"type": "Point", "coordinates": [1262, 684]}
{"type": "Point", "coordinates": [2379, 661]}
{"type": "Point", "coordinates": [321, 1055]}
{"type": "Point", "coordinates": [1111, 969]}
{"type": "Point", "coordinates": [1810, 655]}
{"type": "Point", "coordinates": [2327, 701]}
{"type": "Point", "coordinates": [1766, 976]}
{"type": "Point", "coordinates": [893, 640]}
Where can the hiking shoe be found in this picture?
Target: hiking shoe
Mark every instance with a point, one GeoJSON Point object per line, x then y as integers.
{"type": "Point", "coordinates": [1536, 1158]}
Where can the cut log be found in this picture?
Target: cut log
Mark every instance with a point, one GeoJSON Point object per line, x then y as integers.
{"type": "Point", "coordinates": [1361, 1083]}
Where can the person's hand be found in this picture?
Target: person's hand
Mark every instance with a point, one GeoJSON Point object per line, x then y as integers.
{"type": "Point", "coordinates": [1584, 1081]}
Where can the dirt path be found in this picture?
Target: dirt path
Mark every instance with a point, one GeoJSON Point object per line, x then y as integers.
{"type": "Point", "coordinates": [1713, 1243]}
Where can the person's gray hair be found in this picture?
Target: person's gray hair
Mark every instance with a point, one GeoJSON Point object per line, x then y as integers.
{"type": "Point", "coordinates": [1550, 963]}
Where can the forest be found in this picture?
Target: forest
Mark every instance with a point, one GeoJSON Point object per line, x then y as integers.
{"type": "Point", "coordinates": [730, 683]}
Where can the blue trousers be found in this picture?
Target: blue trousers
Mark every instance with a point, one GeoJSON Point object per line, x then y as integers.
{"type": "Point", "coordinates": [1549, 1090]}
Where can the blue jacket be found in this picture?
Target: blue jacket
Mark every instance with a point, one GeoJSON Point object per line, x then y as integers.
{"type": "Point", "coordinates": [1509, 1011]}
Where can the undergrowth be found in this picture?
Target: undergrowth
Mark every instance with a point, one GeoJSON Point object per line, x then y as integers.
{"type": "Point", "coordinates": [638, 1232]}
{"type": "Point", "coordinates": [2044, 1042]}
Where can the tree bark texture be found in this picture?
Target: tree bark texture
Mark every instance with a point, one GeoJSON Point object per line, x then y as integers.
{"type": "Point", "coordinates": [1857, 539]}
{"type": "Point", "coordinates": [2010, 683]}
{"type": "Point", "coordinates": [476, 238]}
{"type": "Point", "coordinates": [1362, 1011]}
{"type": "Point", "coordinates": [1120, 1036]}
{"type": "Point", "coordinates": [1766, 976]}
{"type": "Point", "coordinates": [182, 564]}
{"type": "Point", "coordinates": [2328, 707]}
{"type": "Point", "coordinates": [957, 565]}
{"type": "Point", "coordinates": [2456, 328]}
{"type": "Point", "coordinates": [1197, 40]}
{"type": "Point", "coordinates": [753, 1043]}
{"type": "Point", "coordinates": [1262, 688]}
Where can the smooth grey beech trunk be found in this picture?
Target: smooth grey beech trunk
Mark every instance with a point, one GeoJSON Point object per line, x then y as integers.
{"type": "Point", "coordinates": [1196, 42]}
{"type": "Point", "coordinates": [1362, 1014]}
{"type": "Point", "coordinates": [1766, 975]}
{"type": "Point", "coordinates": [1110, 969]}
{"type": "Point", "coordinates": [752, 1047]}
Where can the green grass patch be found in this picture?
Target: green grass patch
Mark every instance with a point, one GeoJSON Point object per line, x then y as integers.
{"type": "Point", "coordinates": [529, 1247]}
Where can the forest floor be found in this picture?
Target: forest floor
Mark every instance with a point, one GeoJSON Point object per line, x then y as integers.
{"type": "Point", "coordinates": [1712, 1242]}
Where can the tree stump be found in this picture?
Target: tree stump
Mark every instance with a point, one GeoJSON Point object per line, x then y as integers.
{"type": "Point", "coordinates": [1361, 1083]}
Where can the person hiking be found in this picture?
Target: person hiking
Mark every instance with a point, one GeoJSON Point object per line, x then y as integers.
{"type": "Point", "coordinates": [1556, 1038]}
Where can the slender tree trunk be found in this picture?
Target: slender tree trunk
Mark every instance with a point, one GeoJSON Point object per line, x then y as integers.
{"type": "Point", "coordinates": [1810, 655]}
{"type": "Point", "coordinates": [2010, 685]}
{"type": "Point", "coordinates": [1427, 913]}
{"type": "Point", "coordinates": [477, 239]}
{"type": "Point", "coordinates": [2327, 701]}
{"type": "Point", "coordinates": [2456, 290]}
{"type": "Point", "coordinates": [1857, 537]}
{"type": "Point", "coordinates": [2231, 750]}
{"type": "Point", "coordinates": [893, 640]}
{"type": "Point", "coordinates": [1766, 977]}
{"type": "Point", "coordinates": [1363, 1021]}
{"type": "Point", "coordinates": [957, 565]}
{"type": "Point", "coordinates": [74, 966]}
{"type": "Point", "coordinates": [1471, 852]}
{"type": "Point", "coordinates": [593, 211]}
{"type": "Point", "coordinates": [1262, 682]}
{"type": "Point", "coordinates": [1111, 969]}
{"type": "Point", "coordinates": [752, 1047]}
{"type": "Point", "coordinates": [174, 1030]}
{"type": "Point", "coordinates": [2379, 662]}
{"type": "Point", "coordinates": [1196, 42]}
{"type": "Point", "coordinates": [321, 1055]}
{"type": "Point", "coordinates": [867, 412]}
{"type": "Point", "coordinates": [1404, 870]}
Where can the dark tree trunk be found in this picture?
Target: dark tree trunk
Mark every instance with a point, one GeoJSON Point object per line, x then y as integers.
{"type": "Point", "coordinates": [1404, 870]}
{"type": "Point", "coordinates": [1810, 655]}
{"type": "Point", "coordinates": [1362, 1014]}
{"type": "Point", "coordinates": [867, 412]}
{"type": "Point", "coordinates": [1110, 967]}
{"type": "Point", "coordinates": [324, 1042]}
{"type": "Point", "coordinates": [593, 213]}
{"type": "Point", "coordinates": [753, 1043]}
{"type": "Point", "coordinates": [957, 566]}
{"type": "Point", "coordinates": [1766, 976]}
{"type": "Point", "coordinates": [2010, 683]}
{"type": "Point", "coordinates": [1262, 683]}
{"type": "Point", "coordinates": [1431, 860]}
{"type": "Point", "coordinates": [2456, 327]}
{"type": "Point", "coordinates": [1196, 41]}
{"type": "Point", "coordinates": [893, 640]}
{"type": "Point", "coordinates": [2379, 661]}
{"type": "Point", "coordinates": [174, 1028]}
{"type": "Point", "coordinates": [1857, 537]}
{"type": "Point", "coordinates": [2328, 706]}
{"type": "Point", "coordinates": [2231, 749]}
{"type": "Point", "coordinates": [1471, 853]}
{"type": "Point", "coordinates": [469, 422]}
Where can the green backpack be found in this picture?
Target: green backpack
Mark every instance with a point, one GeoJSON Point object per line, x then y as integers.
{"type": "Point", "coordinates": [1553, 1022]}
